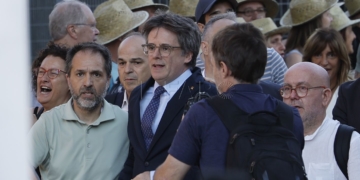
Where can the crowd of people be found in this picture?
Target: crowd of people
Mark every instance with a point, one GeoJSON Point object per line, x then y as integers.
{"type": "Point", "coordinates": [204, 89]}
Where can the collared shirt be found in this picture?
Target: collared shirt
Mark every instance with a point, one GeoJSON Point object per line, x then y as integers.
{"type": "Point", "coordinates": [65, 147]}
{"type": "Point", "coordinates": [318, 153]}
{"type": "Point", "coordinates": [125, 104]}
{"type": "Point", "coordinates": [171, 88]}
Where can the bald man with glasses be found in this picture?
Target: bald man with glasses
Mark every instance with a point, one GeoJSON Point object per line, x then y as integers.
{"type": "Point", "coordinates": [307, 88]}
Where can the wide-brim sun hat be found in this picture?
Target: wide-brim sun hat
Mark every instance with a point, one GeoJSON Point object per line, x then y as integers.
{"type": "Point", "coordinates": [205, 5]}
{"type": "Point", "coordinates": [184, 8]}
{"type": "Point", "coordinates": [114, 19]}
{"type": "Point", "coordinates": [269, 28]}
{"type": "Point", "coordinates": [271, 6]}
{"type": "Point", "coordinates": [302, 11]}
{"type": "Point", "coordinates": [137, 4]}
{"type": "Point", "coordinates": [353, 7]}
{"type": "Point", "coordinates": [340, 19]}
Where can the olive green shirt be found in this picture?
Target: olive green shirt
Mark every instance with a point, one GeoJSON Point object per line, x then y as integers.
{"type": "Point", "coordinates": [64, 147]}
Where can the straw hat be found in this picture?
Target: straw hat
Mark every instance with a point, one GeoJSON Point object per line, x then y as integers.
{"type": "Point", "coordinates": [302, 11]}
{"type": "Point", "coordinates": [268, 27]}
{"type": "Point", "coordinates": [240, 20]}
{"type": "Point", "coordinates": [340, 20]}
{"type": "Point", "coordinates": [136, 4]}
{"type": "Point", "coordinates": [114, 19]}
{"type": "Point", "coordinates": [183, 7]}
{"type": "Point", "coordinates": [353, 6]}
{"type": "Point", "coordinates": [272, 7]}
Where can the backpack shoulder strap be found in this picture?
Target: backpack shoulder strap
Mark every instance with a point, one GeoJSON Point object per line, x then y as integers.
{"type": "Point", "coordinates": [285, 114]}
{"type": "Point", "coordinates": [226, 110]}
{"type": "Point", "coordinates": [342, 147]}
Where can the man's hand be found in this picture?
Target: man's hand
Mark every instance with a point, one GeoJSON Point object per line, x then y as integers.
{"type": "Point", "coordinates": [143, 176]}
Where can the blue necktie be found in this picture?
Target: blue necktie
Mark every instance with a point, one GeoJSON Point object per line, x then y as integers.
{"type": "Point", "coordinates": [149, 116]}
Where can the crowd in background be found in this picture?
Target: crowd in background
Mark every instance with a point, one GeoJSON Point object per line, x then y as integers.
{"type": "Point", "coordinates": [113, 85]}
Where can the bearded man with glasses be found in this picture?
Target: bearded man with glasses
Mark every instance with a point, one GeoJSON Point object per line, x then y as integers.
{"type": "Point", "coordinates": [156, 107]}
{"type": "Point", "coordinates": [307, 88]}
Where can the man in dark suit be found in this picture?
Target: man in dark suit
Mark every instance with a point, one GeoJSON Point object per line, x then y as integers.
{"type": "Point", "coordinates": [133, 69]}
{"type": "Point", "coordinates": [346, 109]}
{"type": "Point", "coordinates": [156, 107]}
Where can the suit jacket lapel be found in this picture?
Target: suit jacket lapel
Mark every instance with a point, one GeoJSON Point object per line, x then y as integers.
{"type": "Point", "coordinates": [176, 105]}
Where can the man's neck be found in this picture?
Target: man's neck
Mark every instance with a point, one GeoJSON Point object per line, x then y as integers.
{"type": "Point", "coordinates": [310, 128]}
{"type": "Point", "coordinates": [87, 116]}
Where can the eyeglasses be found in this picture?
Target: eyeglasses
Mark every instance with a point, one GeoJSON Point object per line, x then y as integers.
{"type": "Point", "coordinates": [164, 49]}
{"type": "Point", "coordinates": [250, 12]}
{"type": "Point", "coordinates": [301, 91]}
{"type": "Point", "coordinates": [52, 73]}
{"type": "Point", "coordinates": [92, 26]}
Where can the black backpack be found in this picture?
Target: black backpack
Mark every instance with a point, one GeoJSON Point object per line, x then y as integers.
{"type": "Point", "coordinates": [342, 147]}
{"type": "Point", "coordinates": [261, 145]}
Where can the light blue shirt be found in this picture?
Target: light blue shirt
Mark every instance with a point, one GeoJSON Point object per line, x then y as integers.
{"type": "Point", "coordinates": [171, 88]}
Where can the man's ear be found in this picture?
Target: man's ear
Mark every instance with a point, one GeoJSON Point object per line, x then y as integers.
{"type": "Point", "coordinates": [72, 31]}
{"type": "Point", "coordinates": [188, 57]}
{"type": "Point", "coordinates": [201, 27]}
{"type": "Point", "coordinates": [326, 96]}
{"type": "Point", "coordinates": [204, 47]}
{"type": "Point", "coordinates": [224, 70]}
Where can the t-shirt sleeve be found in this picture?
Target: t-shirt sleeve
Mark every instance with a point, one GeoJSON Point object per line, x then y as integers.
{"type": "Point", "coordinates": [186, 144]}
{"type": "Point", "coordinates": [298, 127]}
{"type": "Point", "coordinates": [39, 142]}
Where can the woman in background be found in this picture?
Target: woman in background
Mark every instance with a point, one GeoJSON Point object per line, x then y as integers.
{"type": "Point", "coordinates": [49, 81]}
{"type": "Point", "coordinates": [327, 48]}
{"type": "Point", "coordinates": [305, 16]}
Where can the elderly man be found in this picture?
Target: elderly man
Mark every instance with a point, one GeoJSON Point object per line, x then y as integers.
{"type": "Point", "coordinates": [275, 66]}
{"type": "Point", "coordinates": [86, 138]}
{"type": "Point", "coordinates": [115, 20]}
{"type": "Point", "coordinates": [306, 87]}
{"type": "Point", "coordinates": [256, 9]}
{"type": "Point", "coordinates": [133, 67]}
{"type": "Point", "coordinates": [71, 23]}
{"type": "Point", "coordinates": [202, 138]}
{"type": "Point", "coordinates": [156, 107]}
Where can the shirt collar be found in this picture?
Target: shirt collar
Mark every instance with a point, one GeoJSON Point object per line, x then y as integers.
{"type": "Point", "coordinates": [174, 85]}
{"type": "Point", "coordinates": [106, 113]}
{"type": "Point", "coordinates": [245, 88]}
{"type": "Point", "coordinates": [125, 102]}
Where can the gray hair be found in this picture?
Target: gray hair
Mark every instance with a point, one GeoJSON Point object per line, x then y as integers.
{"type": "Point", "coordinates": [230, 16]}
{"type": "Point", "coordinates": [63, 14]}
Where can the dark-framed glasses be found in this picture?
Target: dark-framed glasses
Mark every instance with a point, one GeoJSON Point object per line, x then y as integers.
{"type": "Point", "coordinates": [52, 73]}
{"type": "Point", "coordinates": [250, 12]}
{"type": "Point", "coordinates": [164, 49]}
{"type": "Point", "coordinates": [301, 91]}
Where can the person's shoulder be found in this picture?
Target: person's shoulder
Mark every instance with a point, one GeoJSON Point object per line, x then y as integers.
{"type": "Point", "coordinates": [350, 85]}
{"type": "Point", "coordinates": [118, 112]}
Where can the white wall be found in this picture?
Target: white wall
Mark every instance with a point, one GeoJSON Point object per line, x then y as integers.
{"type": "Point", "coordinates": [14, 89]}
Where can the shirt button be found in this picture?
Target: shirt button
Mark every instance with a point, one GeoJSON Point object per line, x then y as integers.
{"type": "Point", "coordinates": [146, 163]}
{"type": "Point", "coordinates": [88, 145]}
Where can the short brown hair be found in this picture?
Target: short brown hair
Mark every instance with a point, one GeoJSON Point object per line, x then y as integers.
{"type": "Point", "coordinates": [318, 41]}
{"type": "Point", "coordinates": [243, 49]}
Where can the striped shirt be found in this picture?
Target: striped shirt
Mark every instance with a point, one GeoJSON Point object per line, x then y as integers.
{"type": "Point", "coordinates": [275, 68]}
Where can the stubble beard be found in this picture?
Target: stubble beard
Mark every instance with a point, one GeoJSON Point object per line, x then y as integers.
{"type": "Point", "coordinates": [87, 104]}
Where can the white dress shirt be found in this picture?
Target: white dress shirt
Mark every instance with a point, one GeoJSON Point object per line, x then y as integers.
{"type": "Point", "coordinates": [125, 104]}
{"type": "Point", "coordinates": [171, 88]}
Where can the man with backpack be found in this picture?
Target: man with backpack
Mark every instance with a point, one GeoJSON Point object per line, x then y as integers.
{"type": "Point", "coordinates": [266, 134]}
{"type": "Point", "coordinates": [332, 150]}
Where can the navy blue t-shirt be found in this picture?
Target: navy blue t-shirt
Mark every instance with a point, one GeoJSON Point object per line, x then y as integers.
{"type": "Point", "coordinates": [202, 137]}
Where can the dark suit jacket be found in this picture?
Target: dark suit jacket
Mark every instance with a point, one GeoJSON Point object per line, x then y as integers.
{"type": "Point", "coordinates": [139, 159]}
{"type": "Point", "coordinates": [271, 88]}
{"type": "Point", "coordinates": [347, 107]}
{"type": "Point", "coordinates": [115, 98]}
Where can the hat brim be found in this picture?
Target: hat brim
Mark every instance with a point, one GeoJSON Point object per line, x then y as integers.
{"type": "Point", "coordinates": [351, 22]}
{"type": "Point", "coordinates": [272, 7]}
{"type": "Point", "coordinates": [280, 30]}
{"type": "Point", "coordinates": [157, 5]}
{"type": "Point", "coordinates": [137, 19]}
{"type": "Point", "coordinates": [286, 19]}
